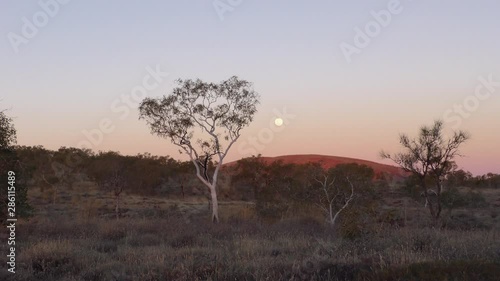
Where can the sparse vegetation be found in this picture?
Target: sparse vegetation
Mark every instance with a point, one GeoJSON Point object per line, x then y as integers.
{"type": "Point", "coordinates": [164, 249]}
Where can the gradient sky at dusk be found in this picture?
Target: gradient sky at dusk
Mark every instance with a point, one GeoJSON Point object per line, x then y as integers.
{"type": "Point", "coordinates": [429, 57]}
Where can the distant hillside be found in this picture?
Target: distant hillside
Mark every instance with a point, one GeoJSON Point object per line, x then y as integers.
{"type": "Point", "coordinates": [332, 161]}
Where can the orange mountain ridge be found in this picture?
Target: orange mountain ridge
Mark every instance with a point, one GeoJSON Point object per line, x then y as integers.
{"type": "Point", "coordinates": [332, 161]}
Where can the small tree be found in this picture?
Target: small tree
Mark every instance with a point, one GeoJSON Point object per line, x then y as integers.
{"type": "Point", "coordinates": [429, 155]}
{"type": "Point", "coordinates": [218, 112]}
{"type": "Point", "coordinates": [333, 191]}
{"type": "Point", "coordinates": [249, 172]}
{"type": "Point", "coordinates": [108, 170]}
{"type": "Point", "coordinates": [147, 173]}
{"type": "Point", "coordinates": [36, 161]}
{"type": "Point", "coordinates": [9, 161]}
{"type": "Point", "coordinates": [49, 169]}
{"type": "Point", "coordinates": [183, 171]}
{"type": "Point", "coordinates": [278, 185]}
{"type": "Point", "coordinates": [458, 178]}
{"type": "Point", "coordinates": [7, 132]}
{"type": "Point", "coordinates": [334, 199]}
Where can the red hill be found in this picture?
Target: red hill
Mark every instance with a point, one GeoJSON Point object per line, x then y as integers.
{"type": "Point", "coordinates": [332, 161]}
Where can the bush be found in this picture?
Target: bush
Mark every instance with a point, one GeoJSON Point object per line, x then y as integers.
{"type": "Point", "coordinates": [453, 199]}
{"type": "Point", "coordinates": [271, 211]}
{"type": "Point", "coordinates": [475, 200]}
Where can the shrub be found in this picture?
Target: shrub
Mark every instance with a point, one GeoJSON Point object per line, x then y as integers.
{"type": "Point", "coordinates": [453, 199]}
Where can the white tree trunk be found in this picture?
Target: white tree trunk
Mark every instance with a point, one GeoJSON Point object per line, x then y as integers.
{"type": "Point", "coordinates": [346, 204]}
{"type": "Point", "coordinates": [215, 204]}
{"type": "Point", "coordinates": [334, 220]}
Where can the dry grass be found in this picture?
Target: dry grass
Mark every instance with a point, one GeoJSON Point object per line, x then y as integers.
{"type": "Point", "coordinates": [158, 239]}
{"type": "Point", "coordinates": [171, 249]}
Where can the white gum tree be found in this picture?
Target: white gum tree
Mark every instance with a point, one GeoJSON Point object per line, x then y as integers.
{"type": "Point", "coordinates": [335, 199]}
{"type": "Point", "coordinates": [204, 120]}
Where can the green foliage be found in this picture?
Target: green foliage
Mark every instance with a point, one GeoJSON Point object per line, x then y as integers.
{"type": "Point", "coordinates": [9, 161]}
{"type": "Point", "coordinates": [357, 220]}
{"type": "Point", "coordinates": [282, 190]}
{"type": "Point", "coordinates": [489, 180]}
{"type": "Point", "coordinates": [147, 173]}
{"type": "Point", "coordinates": [55, 170]}
{"type": "Point", "coordinates": [7, 131]}
{"type": "Point", "coordinates": [142, 174]}
{"type": "Point", "coordinates": [108, 170]}
{"type": "Point", "coordinates": [458, 178]}
{"type": "Point", "coordinates": [461, 178]}
{"type": "Point", "coordinates": [277, 188]}
{"type": "Point", "coordinates": [453, 199]}
{"type": "Point", "coordinates": [475, 199]}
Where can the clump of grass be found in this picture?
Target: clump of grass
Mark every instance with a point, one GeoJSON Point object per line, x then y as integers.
{"type": "Point", "coordinates": [112, 231]}
{"type": "Point", "coordinates": [144, 240]}
{"type": "Point", "coordinates": [183, 241]}
{"type": "Point", "coordinates": [52, 259]}
{"type": "Point", "coordinates": [106, 246]}
{"type": "Point", "coordinates": [110, 270]}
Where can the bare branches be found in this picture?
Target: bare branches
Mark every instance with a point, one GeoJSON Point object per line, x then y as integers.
{"type": "Point", "coordinates": [336, 195]}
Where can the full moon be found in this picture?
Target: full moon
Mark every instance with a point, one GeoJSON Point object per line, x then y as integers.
{"type": "Point", "coordinates": [278, 122]}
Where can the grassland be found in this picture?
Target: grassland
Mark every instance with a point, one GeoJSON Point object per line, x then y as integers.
{"type": "Point", "coordinates": [78, 238]}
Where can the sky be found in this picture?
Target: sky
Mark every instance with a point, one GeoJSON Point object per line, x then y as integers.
{"type": "Point", "coordinates": [347, 77]}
